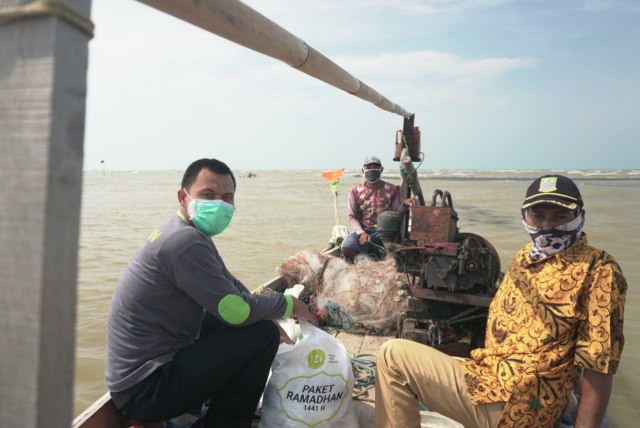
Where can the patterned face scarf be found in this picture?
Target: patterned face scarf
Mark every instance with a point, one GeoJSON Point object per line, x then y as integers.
{"type": "Point", "coordinates": [548, 242]}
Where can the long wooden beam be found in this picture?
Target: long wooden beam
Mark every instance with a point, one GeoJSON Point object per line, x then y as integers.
{"type": "Point", "coordinates": [241, 24]}
{"type": "Point", "coordinates": [43, 74]}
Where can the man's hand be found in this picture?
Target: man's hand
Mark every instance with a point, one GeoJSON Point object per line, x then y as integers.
{"type": "Point", "coordinates": [301, 311]}
{"type": "Point", "coordinates": [363, 238]}
{"type": "Point", "coordinates": [284, 337]}
{"type": "Point", "coordinates": [408, 202]}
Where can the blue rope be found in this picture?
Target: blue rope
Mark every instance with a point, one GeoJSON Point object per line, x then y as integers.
{"type": "Point", "coordinates": [364, 374]}
{"type": "Point", "coordinates": [338, 317]}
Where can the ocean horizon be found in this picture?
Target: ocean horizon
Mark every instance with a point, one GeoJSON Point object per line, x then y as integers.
{"type": "Point", "coordinates": [449, 174]}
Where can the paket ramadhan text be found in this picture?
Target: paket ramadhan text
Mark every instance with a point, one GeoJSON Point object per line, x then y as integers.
{"type": "Point", "coordinates": [317, 394]}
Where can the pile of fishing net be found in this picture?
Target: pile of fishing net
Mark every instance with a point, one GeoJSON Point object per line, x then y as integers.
{"type": "Point", "coordinates": [364, 296]}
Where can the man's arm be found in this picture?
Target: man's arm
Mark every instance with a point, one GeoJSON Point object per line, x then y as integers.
{"type": "Point", "coordinates": [398, 205]}
{"type": "Point", "coordinates": [300, 311]}
{"type": "Point", "coordinates": [607, 285]}
{"type": "Point", "coordinates": [595, 390]}
{"type": "Point", "coordinates": [353, 213]}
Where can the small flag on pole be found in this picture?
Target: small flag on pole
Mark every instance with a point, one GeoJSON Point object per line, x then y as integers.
{"type": "Point", "coordinates": [333, 176]}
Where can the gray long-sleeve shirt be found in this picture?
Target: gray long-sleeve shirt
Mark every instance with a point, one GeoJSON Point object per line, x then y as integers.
{"type": "Point", "coordinates": [158, 305]}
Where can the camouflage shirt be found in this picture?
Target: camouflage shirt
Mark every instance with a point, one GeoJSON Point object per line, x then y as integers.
{"type": "Point", "coordinates": [367, 202]}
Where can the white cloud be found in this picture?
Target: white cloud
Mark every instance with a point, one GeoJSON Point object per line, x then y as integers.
{"type": "Point", "coordinates": [141, 46]}
{"type": "Point", "coordinates": [158, 85]}
{"type": "Point", "coordinates": [436, 64]}
{"type": "Point", "coordinates": [337, 21]}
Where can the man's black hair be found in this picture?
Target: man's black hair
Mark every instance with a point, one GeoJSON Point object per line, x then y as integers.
{"type": "Point", "coordinates": [213, 165]}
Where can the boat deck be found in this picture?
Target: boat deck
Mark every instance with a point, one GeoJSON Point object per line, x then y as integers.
{"type": "Point", "coordinates": [365, 346]}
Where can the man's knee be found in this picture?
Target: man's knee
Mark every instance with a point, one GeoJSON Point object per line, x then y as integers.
{"type": "Point", "coordinates": [261, 337]}
{"type": "Point", "coordinates": [391, 344]}
{"type": "Point", "coordinates": [387, 349]}
{"type": "Point", "coordinates": [398, 352]}
{"type": "Point", "coordinates": [349, 253]}
{"type": "Point", "coordinates": [268, 331]}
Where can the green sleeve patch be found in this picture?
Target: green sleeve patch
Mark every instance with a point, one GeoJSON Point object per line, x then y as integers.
{"type": "Point", "coordinates": [154, 235]}
{"type": "Point", "coordinates": [289, 309]}
{"type": "Point", "coordinates": [233, 309]}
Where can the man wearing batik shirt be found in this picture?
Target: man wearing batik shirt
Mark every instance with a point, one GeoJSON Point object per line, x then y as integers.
{"type": "Point", "coordinates": [558, 310]}
{"type": "Point", "coordinates": [366, 201]}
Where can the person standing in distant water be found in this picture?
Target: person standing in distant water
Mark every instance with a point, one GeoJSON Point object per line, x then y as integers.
{"type": "Point", "coordinates": [559, 309]}
{"type": "Point", "coordinates": [182, 329]}
{"type": "Point", "coordinates": [366, 201]}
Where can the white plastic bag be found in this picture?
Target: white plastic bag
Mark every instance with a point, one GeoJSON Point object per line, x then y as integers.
{"type": "Point", "coordinates": [310, 384]}
{"type": "Point", "coordinates": [289, 325]}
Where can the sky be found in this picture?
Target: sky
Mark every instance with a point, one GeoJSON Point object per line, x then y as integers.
{"type": "Point", "coordinates": [494, 84]}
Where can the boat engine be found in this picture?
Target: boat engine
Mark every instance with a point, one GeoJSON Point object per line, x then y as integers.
{"type": "Point", "coordinates": [451, 276]}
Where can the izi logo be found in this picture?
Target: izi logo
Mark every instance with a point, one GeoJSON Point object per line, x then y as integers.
{"type": "Point", "coordinates": [316, 358]}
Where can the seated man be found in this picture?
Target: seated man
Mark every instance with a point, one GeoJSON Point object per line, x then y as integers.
{"type": "Point", "coordinates": [182, 329]}
{"type": "Point", "coordinates": [366, 201]}
{"type": "Point", "coordinates": [558, 309]}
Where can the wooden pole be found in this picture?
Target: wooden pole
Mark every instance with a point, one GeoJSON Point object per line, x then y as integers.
{"type": "Point", "coordinates": [241, 24]}
{"type": "Point", "coordinates": [43, 69]}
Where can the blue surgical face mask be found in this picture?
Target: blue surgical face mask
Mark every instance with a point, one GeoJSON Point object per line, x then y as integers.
{"type": "Point", "coordinates": [210, 216]}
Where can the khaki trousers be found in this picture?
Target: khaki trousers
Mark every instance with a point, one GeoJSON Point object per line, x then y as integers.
{"type": "Point", "coordinates": [408, 372]}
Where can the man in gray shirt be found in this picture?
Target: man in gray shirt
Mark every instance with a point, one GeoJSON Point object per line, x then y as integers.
{"type": "Point", "coordinates": [182, 329]}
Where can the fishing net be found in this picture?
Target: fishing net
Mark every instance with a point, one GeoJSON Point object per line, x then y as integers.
{"type": "Point", "coordinates": [367, 295]}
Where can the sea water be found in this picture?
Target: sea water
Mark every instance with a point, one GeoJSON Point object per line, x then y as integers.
{"type": "Point", "coordinates": [281, 212]}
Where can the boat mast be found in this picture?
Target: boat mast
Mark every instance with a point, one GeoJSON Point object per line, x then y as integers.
{"type": "Point", "coordinates": [237, 22]}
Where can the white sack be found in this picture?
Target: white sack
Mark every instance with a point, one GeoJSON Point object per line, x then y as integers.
{"type": "Point", "coordinates": [310, 384]}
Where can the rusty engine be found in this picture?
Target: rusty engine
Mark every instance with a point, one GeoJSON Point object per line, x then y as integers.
{"type": "Point", "coordinates": [451, 276]}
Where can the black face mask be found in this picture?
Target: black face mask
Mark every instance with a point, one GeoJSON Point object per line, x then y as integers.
{"type": "Point", "coordinates": [372, 175]}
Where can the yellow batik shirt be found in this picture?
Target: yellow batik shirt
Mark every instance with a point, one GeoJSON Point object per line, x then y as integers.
{"type": "Point", "coordinates": [547, 318]}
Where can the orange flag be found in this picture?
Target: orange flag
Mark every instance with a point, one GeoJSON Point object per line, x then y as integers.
{"type": "Point", "coordinates": [333, 176]}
